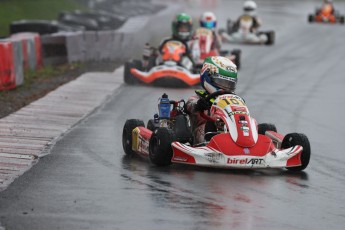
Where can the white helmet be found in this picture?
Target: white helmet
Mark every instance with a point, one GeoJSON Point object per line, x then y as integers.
{"type": "Point", "coordinates": [208, 20]}
{"type": "Point", "coordinates": [249, 7]}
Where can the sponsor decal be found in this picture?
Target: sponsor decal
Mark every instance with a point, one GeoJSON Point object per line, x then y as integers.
{"type": "Point", "coordinates": [183, 159]}
{"type": "Point", "coordinates": [246, 161]}
{"type": "Point", "coordinates": [213, 157]}
{"type": "Point", "coordinates": [143, 146]}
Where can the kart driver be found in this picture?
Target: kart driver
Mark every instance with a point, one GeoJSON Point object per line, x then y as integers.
{"type": "Point", "coordinates": [182, 28]}
{"type": "Point", "coordinates": [208, 20]}
{"type": "Point", "coordinates": [249, 12]}
{"type": "Point", "coordinates": [217, 73]}
{"type": "Point", "coordinates": [327, 5]}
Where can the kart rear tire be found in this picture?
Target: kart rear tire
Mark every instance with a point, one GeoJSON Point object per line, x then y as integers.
{"type": "Point", "coordinates": [160, 149]}
{"type": "Point", "coordinates": [237, 54]}
{"type": "Point", "coordinates": [127, 134]}
{"type": "Point", "coordinates": [262, 128]}
{"type": "Point", "coordinates": [341, 19]}
{"type": "Point", "coordinates": [152, 125]}
{"type": "Point", "coordinates": [311, 18]}
{"type": "Point", "coordinates": [271, 36]}
{"type": "Point", "coordinates": [294, 139]}
{"type": "Point", "coordinates": [128, 76]}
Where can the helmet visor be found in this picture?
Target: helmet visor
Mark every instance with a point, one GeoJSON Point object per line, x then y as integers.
{"type": "Point", "coordinates": [224, 82]}
{"type": "Point", "coordinates": [209, 24]}
{"type": "Point", "coordinates": [249, 9]}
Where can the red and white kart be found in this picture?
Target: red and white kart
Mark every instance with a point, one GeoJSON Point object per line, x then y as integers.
{"type": "Point", "coordinates": [203, 40]}
{"type": "Point", "coordinates": [233, 139]}
{"type": "Point", "coordinates": [174, 67]}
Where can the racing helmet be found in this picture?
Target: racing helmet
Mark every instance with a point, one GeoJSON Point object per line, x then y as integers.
{"type": "Point", "coordinates": [208, 20]}
{"type": "Point", "coordinates": [218, 73]}
{"type": "Point", "coordinates": [249, 7]}
{"type": "Point", "coordinates": [182, 27]}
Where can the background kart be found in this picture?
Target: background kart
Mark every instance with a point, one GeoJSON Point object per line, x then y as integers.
{"type": "Point", "coordinates": [242, 35]}
{"type": "Point", "coordinates": [171, 68]}
{"type": "Point", "coordinates": [325, 15]}
{"type": "Point", "coordinates": [233, 139]}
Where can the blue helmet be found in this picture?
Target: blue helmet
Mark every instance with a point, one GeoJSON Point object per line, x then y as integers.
{"type": "Point", "coordinates": [208, 20]}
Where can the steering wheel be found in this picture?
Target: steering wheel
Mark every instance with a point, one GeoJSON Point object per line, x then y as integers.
{"type": "Point", "coordinates": [208, 98]}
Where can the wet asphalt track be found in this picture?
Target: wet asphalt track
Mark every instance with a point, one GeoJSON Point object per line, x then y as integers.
{"type": "Point", "coordinates": [298, 84]}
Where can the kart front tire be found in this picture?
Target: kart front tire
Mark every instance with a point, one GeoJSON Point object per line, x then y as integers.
{"type": "Point", "coordinates": [310, 18]}
{"type": "Point", "coordinates": [128, 76]}
{"type": "Point", "coordinates": [151, 125]}
{"type": "Point", "coordinates": [160, 149]}
{"type": "Point", "coordinates": [262, 128]}
{"type": "Point", "coordinates": [127, 134]}
{"type": "Point", "coordinates": [294, 139]}
{"type": "Point", "coordinates": [342, 19]}
{"type": "Point", "coordinates": [271, 36]}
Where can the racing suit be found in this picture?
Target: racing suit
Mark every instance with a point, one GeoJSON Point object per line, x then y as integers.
{"type": "Point", "coordinates": [153, 57]}
{"type": "Point", "coordinates": [197, 122]}
{"type": "Point", "coordinates": [256, 22]}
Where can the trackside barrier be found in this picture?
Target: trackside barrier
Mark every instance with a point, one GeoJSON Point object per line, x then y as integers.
{"type": "Point", "coordinates": [11, 64]}
{"type": "Point", "coordinates": [32, 49]}
{"type": "Point", "coordinates": [7, 76]}
{"type": "Point", "coordinates": [122, 44]}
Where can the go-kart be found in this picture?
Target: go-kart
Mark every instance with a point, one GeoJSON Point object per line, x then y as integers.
{"type": "Point", "coordinates": [233, 139]}
{"type": "Point", "coordinates": [171, 67]}
{"type": "Point", "coordinates": [242, 34]}
{"type": "Point", "coordinates": [326, 14]}
{"type": "Point", "coordinates": [203, 39]}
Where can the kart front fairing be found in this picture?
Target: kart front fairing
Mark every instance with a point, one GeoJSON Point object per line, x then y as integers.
{"type": "Point", "coordinates": [247, 37]}
{"type": "Point", "coordinates": [167, 71]}
{"type": "Point", "coordinates": [222, 152]}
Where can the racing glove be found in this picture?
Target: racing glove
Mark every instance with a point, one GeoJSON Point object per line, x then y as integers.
{"type": "Point", "coordinates": [202, 105]}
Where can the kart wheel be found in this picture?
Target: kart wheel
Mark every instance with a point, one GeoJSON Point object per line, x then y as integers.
{"type": "Point", "coordinates": [294, 139]}
{"type": "Point", "coordinates": [127, 134]}
{"type": "Point", "coordinates": [271, 36]}
{"type": "Point", "coordinates": [262, 128]}
{"type": "Point", "coordinates": [160, 149]}
{"type": "Point", "coordinates": [182, 131]}
{"type": "Point", "coordinates": [310, 18]}
{"type": "Point", "coordinates": [237, 54]}
{"type": "Point", "coordinates": [342, 19]}
{"type": "Point", "coordinates": [151, 125]}
{"type": "Point", "coordinates": [128, 76]}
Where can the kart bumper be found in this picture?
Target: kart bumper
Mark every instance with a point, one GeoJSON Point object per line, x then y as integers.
{"type": "Point", "coordinates": [158, 72]}
{"type": "Point", "coordinates": [210, 157]}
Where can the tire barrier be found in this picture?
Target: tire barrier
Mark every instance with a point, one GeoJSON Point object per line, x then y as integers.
{"type": "Point", "coordinates": [38, 26]}
{"type": "Point", "coordinates": [42, 27]}
{"type": "Point", "coordinates": [11, 64]}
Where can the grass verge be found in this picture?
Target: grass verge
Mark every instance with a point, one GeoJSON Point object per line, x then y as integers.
{"type": "Point", "coordinates": [12, 10]}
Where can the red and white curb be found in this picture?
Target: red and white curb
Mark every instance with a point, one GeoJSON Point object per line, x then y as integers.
{"type": "Point", "coordinates": [27, 134]}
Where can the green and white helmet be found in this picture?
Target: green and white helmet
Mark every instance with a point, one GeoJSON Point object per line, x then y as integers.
{"type": "Point", "coordinates": [182, 27]}
{"type": "Point", "coordinates": [218, 73]}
